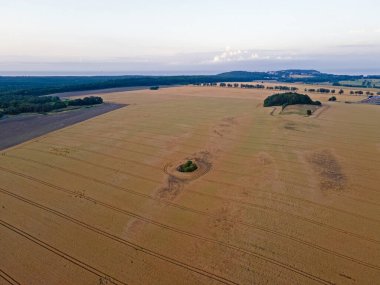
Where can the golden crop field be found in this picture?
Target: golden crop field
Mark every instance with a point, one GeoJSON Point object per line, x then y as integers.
{"type": "Point", "coordinates": [277, 199]}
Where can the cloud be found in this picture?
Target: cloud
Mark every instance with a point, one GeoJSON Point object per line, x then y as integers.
{"type": "Point", "coordinates": [229, 55]}
{"type": "Point", "coordinates": [237, 55]}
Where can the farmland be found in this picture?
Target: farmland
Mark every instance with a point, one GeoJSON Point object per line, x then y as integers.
{"type": "Point", "coordinates": [375, 83]}
{"type": "Point", "coordinates": [276, 199]}
{"type": "Point", "coordinates": [20, 128]}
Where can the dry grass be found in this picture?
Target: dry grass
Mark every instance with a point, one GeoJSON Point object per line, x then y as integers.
{"type": "Point", "coordinates": [280, 199]}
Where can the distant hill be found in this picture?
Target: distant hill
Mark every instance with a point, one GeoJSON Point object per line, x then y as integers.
{"type": "Point", "coordinates": [290, 75]}
{"type": "Point", "coordinates": [296, 73]}
{"type": "Point", "coordinates": [241, 74]}
{"type": "Point", "coordinates": [281, 73]}
{"type": "Point", "coordinates": [37, 86]}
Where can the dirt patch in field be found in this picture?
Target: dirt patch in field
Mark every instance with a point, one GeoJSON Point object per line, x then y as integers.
{"type": "Point", "coordinates": [224, 221]}
{"type": "Point", "coordinates": [264, 158]}
{"type": "Point", "coordinates": [230, 120]}
{"type": "Point", "coordinates": [176, 180]}
{"type": "Point", "coordinates": [291, 126]}
{"type": "Point", "coordinates": [203, 161]}
{"type": "Point", "coordinates": [326, 165]}
{"type": "Point", "coordinates": [299, 109]}
{"type": "Point", "coordinates": [62, 151]}
{"type": "Point", "coordinates": [171, 189]}
{"type": "Point", "coordinates": [225, 126]}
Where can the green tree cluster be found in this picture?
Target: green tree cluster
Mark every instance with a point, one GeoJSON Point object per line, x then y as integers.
{"type": "Point", "coordinates": [189, 166]}
{"type": "Point", "coordinates": [289, 98]}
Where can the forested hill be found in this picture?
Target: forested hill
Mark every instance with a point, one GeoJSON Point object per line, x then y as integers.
{"type": "Point", "coordinates": [36, 86]}
{"type": "Point", "coordinates": [291, 75]}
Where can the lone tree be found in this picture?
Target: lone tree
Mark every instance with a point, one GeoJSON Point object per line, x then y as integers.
{"type": "Point", "coordinates": [341, 91]}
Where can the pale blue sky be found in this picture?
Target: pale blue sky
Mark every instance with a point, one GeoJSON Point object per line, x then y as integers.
{"type": "Point", "coordinates": [207, 35]}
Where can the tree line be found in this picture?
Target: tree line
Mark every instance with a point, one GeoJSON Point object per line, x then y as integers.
{"type": "Point", "coordinates": [13, 105]}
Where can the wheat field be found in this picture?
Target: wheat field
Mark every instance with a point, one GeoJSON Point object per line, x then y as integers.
{"type": "Point", "coordinates": [277, 199]}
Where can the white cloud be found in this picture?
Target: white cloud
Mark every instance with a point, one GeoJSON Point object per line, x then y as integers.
{"type": "Point", "coordinates": [236, 55]}
{"type": "Point", "coordinates": [229, 55]}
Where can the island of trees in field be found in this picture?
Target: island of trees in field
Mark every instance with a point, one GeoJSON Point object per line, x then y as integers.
{"type": "Point", "coordinates": [13, 105]}
{"type": "Point", "coordinates": [290, 98]}
{"type": "Point", "coordinates": [189, 166]}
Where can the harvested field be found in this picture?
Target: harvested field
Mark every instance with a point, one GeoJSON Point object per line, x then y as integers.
{"type": "Point", "coordinates": [281, 199]}
{"type": "Point", "coordinates": [21, 128]}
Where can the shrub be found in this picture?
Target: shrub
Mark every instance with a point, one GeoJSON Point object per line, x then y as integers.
{"type": "Point", "coordinates": [154, 88]}
{"type": "Point", "coordinates": [308, 112]}
{"type": "Point", "coordinates": [189, 166]}
{"type": "Point", "coordinates": [289, 99]}
{"type": "Point", "coordinates": [323, 90]}
{"type": "Point", "coordinates": [333, 98]}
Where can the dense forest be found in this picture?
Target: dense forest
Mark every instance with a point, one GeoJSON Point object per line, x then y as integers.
{"type": "Point", "coordinates": [37, 86]}
{"type": "Point", "coordinates": [33, 104]}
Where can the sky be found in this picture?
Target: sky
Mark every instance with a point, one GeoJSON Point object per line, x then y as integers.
{"type": "Point", "coordinates": [185, 37]}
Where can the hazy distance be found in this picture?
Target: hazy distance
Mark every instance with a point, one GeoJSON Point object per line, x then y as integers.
{"type": "Point", "coordinates": [41, 37]}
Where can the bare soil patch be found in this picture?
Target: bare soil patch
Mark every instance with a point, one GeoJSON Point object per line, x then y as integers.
{"type": "Point", "coordinates": [329, 170]}
{"type": "Point", "coordinates": [21, 128]}
{"type": "Point", "coordinates": [299, 109]}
